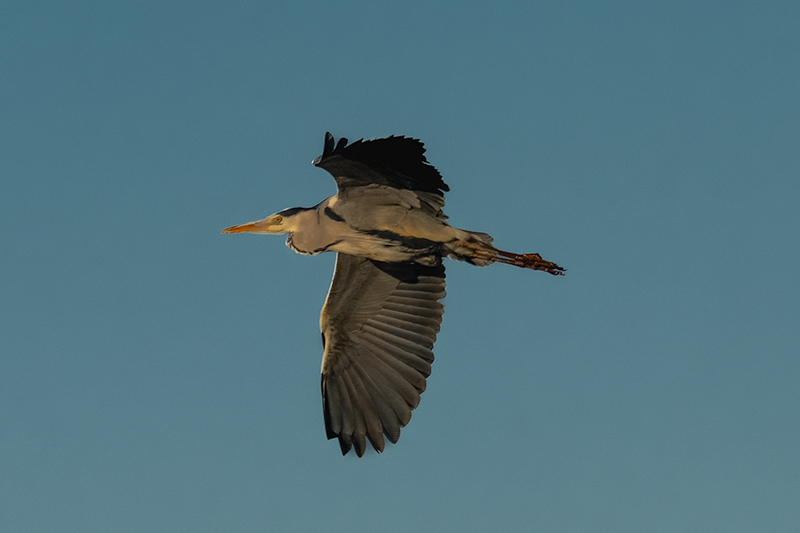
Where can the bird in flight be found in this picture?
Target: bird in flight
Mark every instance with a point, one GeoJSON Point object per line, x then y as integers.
{"type": "Point", "coordinates": [382, 313]}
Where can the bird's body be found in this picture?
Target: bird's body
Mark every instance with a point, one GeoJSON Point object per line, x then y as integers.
{"type": "Point", "coordinates": [382, 313]}
{"type": "Point", "coordinates": [393, 232]}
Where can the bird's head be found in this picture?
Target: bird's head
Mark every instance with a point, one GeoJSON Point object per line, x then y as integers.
{"type": "Point", "coordinates": [281, 222]}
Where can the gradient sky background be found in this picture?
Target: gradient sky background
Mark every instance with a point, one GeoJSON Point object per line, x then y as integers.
{"type": "Point", "coordinates": [156, 375]}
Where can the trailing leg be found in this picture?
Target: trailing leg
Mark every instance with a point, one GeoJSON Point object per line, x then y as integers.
{"type": "Point", "coordinates": [482, 254]}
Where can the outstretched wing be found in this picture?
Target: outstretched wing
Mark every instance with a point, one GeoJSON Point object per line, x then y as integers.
{"type": "Point", "coordinates": [397, 162]}
{"type": "Point", "coordinates": [378, 324]}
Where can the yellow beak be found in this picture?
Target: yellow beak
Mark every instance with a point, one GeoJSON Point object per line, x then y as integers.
{"type": "Point", "coordinates": [259, 226]}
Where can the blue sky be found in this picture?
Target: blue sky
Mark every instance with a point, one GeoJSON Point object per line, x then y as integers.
{"type": "Point", "coordinates": [156, 375]}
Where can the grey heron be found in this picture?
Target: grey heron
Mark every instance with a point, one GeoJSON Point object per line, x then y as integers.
{"type": "Point", "coordinates": [382, 313]}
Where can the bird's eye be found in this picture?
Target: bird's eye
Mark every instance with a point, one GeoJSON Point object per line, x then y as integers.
{"type": "Point", "coordinates": [278, 219]}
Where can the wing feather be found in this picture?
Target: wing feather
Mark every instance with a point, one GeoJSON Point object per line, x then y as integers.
{"type": "Point", "coordinates": [369, 411]}
{"type": "Point", "coordinates": [333, 407]}
{"type": "Point", "coordinates": [381, 404]}
{"type": "Point", "coordinates": [409, 367]}
{"type": "Point", "coordinates": [409, 303]}
{"type": "Point", "coordinates": [395, 390]}
{"type": "Point", "coordinates": [410, 326]}
{"type": "Point", "coordinates": [358, 414]}
{"type": "Point", "coordinates": [414, 356]}
{"type": "Point", "coordinates": [400, 335]}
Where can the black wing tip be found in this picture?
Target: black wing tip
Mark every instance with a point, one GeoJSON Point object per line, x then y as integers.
{"type": "Point", "coordinates": [344, 445]}
{"type": "Point", "coordinates": [345, 441]}
{"type": "Point", "coordinates": [329, 147]}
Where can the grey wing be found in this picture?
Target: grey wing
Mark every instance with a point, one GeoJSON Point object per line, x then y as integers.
{"type": "Point", "coordinates": [378, 324]}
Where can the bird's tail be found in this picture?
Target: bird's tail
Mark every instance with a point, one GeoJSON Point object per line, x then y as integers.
{"type": "Point", "coordinates": [478, 250]}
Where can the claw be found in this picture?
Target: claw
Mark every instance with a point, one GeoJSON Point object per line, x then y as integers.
{"type": "Point", "coordinates": [536, 262]}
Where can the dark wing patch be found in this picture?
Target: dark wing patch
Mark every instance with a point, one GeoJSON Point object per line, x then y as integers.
{"type": "Point", "coordinates": [398, 162]}
{"type": "Point", "coordinates": [379, 324]}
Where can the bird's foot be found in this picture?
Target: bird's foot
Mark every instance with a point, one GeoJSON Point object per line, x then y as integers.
{"type": "Point", "coordinates": [536, 262]}
{"type": "Point", "coordinates": [532, 261]}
